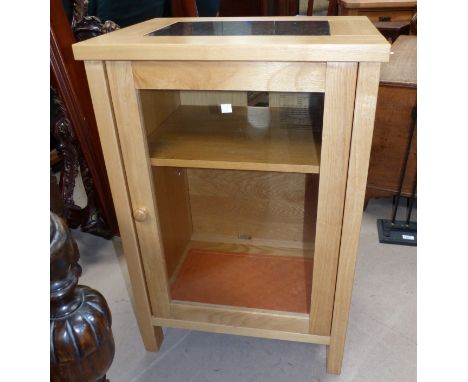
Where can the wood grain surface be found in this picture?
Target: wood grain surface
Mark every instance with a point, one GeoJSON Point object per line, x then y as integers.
{"type": "Point", "coordinates": [361, 142]}
{"type": "Point", "coordinates": [221, 75]}
{"type": "Point", "coordinates": [291, 322]}
{"type": "Point", "coordinates": [250, 139]}
{"type": "Point", "coordinates": [102, 103]}
{"type": "Point", "coordinates": [336, 137]}
{"type": "Point", "coordinates": [132, 135]}
{"type": "Point", "coordinates": [357, 40]}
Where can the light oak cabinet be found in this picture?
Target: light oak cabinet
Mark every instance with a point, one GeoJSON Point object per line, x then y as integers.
{"type": "Point", "coordinates": [237, 151]}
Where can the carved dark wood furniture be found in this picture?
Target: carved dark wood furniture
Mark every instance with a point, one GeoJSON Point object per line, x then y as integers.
{"type": "Point", "coordinates": [81, 341]}
{"type": "Point", "coordinates": [397, 97]}
{"type": "Point", "coordinates": [56, 200]}
{"type": "Point", "coordinates": [72, 161]}
{"type": "Point", "coordinates": [86, 26]}
{"type": "Point", "coordinates": [69, 79]}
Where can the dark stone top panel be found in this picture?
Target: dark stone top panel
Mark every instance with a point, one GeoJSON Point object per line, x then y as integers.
{"type": "Point", "coordinates": [245, 28]}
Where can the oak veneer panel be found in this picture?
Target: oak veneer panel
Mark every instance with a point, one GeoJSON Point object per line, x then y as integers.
{"type": "Point", "coordinates": [245, 280]}
{"type": "Point", "coordinates": [336, 136]}
{"type": "Point", "coordinates": [259, 205]}
{"type": "Point", "coordinates": [237, 75]}
{"type": "Point", "coordinates": [353, 26]}
{"type": "Point", "coordinates": [243, 317]}
{"type": "Point", "coordinates": [132, 137]}
{"type": "Point", "coordinates": [101, 98]}
{"type": "Point", "coordinates": [253, 138]}
{"type": "Point", "coordinates": [361, 142]}
{"type": "Point", "coordinates": [132, 43]}
{"type": "Point", "coordinates": [234, 323]}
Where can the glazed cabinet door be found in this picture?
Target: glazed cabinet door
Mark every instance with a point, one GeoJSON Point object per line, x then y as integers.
{"type": "Point", "coordinates": [134, 149]}
{"type": "Point", "coordinates": [237, 176]}
{"type": "Point", "coordinates": [340, 88]}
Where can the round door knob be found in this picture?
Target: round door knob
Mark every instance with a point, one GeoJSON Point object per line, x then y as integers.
{"type": "Point", "coordinates": [140, 214]}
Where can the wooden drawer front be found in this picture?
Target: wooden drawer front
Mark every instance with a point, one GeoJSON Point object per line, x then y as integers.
{"type": "Point", "coordinates": [241, 75]}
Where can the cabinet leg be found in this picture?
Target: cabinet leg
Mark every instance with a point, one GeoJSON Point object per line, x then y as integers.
{"type": "Point", "coordinates": [158, 336]}
{"type": "Point", "coordinates": [152, 339]}
{"type": "Point", "coordinates": [335, 356]}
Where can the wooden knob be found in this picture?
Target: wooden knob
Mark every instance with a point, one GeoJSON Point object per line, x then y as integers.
{"type": "Point", "coordinates": [140, 214]}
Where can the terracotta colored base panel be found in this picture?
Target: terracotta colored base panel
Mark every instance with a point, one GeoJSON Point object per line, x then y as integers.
{"type": "Point", "coordinates": [245, 280]}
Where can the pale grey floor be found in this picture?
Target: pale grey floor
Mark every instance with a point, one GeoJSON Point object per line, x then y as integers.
{"type": "Point", "coordinates": [381, 342]}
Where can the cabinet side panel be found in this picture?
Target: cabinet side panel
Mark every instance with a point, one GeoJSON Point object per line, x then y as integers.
{"type": "Point", "coordinates": [174, 213]}
{"type": "Point", "coordinates": [98, 85]}
{"type": "Point", "coordinates": [157, 106]}
{"type": "Point", "coordinates": [134, 147]}
{"type": "Point", "coordinates": [366, 99]}
{"type": "Point", "coordinates": [340, 90]}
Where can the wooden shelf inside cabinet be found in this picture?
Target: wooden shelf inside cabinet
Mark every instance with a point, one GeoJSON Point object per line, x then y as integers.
{"type": "Point", "coordinates": [249, 138]}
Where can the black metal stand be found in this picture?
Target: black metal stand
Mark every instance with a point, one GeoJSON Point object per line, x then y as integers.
{"type": "Point", "coordinates": [398, 231]}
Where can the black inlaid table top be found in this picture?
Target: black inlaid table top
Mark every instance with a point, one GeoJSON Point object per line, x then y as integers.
{"type": "Point", "coordinates": [245, 28]}
{"type": "Point", "coordinates": [266, 39]}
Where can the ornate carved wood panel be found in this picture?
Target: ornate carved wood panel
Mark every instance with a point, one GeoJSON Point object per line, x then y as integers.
{"type": "Point", "coordinates": [69, 78]}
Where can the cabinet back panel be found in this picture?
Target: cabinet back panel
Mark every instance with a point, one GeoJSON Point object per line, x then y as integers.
{"type": "Point", "coordinates": [253, 205]}
{"type": "Point", "coordinates": [208, 98]}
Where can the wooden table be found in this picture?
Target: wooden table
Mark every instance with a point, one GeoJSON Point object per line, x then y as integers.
{"type": "Point", "coordinates": [379, 10]}
{"type": "Point", "coordinates": [397, 97]}
{"type": "Point", "coordinates": [226, 225]}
